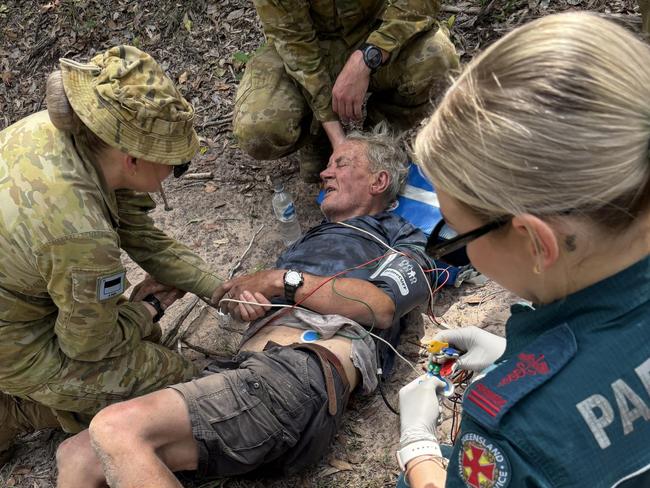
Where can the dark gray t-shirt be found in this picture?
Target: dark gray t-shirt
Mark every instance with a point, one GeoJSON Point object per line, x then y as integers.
{"type": "Point", "coordinates": [329, 248]}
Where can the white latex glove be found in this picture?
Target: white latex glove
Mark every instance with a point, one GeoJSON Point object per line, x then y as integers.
{"type": "Point", "coordinates": [419, 409]}
{"type": "Point", "coordinates": [482, 348]}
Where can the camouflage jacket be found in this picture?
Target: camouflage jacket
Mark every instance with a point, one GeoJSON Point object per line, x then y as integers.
{"type": "Point", "coordinates": [295, 27]}
{"type": "Point", "coordinates": [61, 277]}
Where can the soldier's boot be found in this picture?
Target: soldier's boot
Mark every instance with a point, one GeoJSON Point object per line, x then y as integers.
{"type": "Point", "coordinates": [314, 156]}
{"type": "Point", "coordinates": [6, 454]}
{"type": "Point", "coordinates": [19, 416]}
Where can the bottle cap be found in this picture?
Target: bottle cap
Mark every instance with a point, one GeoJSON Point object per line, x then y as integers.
{"type": "Point", "coordinates": [278, 186]}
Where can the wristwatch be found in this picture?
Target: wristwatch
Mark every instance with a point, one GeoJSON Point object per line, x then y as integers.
{"type": "Point", "coordinates": [415, 449]}
{"type": "Point", "coordinates": [372, 56]}
{"type": "Point", "coordinates": [292, 281]}
{"type": "Point", "coordinates": [155, 303]}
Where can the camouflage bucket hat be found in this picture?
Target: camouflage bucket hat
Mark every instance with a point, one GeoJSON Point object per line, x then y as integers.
{"type": "Point", "coordinates": [126, 99]}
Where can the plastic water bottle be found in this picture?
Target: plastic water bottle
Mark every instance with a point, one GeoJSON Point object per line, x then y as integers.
{"type": "Point", "coordinates": [285, 212]}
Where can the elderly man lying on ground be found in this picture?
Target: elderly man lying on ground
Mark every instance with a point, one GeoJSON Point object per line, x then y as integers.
{"type": "Point", "coordinates": [279, 402]}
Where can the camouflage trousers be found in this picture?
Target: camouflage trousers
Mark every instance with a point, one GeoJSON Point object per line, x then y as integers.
{"type": "Point", "coordinates": [644, 7]}
{"type": "Point", "coordinates": [80, 389]}
{"type": "Point", "coordinates": [272, 119]}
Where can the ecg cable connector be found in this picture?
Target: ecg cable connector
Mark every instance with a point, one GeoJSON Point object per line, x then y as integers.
{"type": "Point", "coordinates": [442, 359]}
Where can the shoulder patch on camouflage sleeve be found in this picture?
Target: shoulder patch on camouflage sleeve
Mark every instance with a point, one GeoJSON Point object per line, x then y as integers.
{"type": "Point", "coordinates": [482, 463]}
{"type": "Point", "coordinates": [490, 398]}
{"type": "Point", "coordinates": [90, 286]}
{"type": "Point", "coordinates": [110, 286]}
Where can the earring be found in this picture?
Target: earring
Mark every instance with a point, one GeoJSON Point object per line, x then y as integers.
{"type": "Point", "coordinates": [537, 269]}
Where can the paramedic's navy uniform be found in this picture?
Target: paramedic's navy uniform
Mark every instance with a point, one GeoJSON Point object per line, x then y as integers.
{"type": "Point", "coordinates": [570, 405]}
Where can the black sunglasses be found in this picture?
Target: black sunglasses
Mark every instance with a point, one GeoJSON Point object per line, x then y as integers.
{"type": "Point", "coordinates": [446, 245]}
{"type": "Point", "coordinates": [181, 169]}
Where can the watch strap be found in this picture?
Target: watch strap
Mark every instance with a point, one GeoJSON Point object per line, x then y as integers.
{"type": "Point", "coordinates": [290, 290]}
{"type": "Point", "coordinates": [155, 303]}
{"type": "Point", "coordinates": [415, 449]}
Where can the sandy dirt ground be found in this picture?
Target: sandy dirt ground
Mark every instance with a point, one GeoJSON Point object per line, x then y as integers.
{"type": "Point", "coordinates": [204, 46]}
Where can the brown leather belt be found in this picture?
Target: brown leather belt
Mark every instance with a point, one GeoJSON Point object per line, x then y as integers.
{"type": "Point", "coordinates": [327, 359]}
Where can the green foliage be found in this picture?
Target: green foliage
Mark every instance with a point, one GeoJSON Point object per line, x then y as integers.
{"type": "Point", "coordinates": [241, 57]}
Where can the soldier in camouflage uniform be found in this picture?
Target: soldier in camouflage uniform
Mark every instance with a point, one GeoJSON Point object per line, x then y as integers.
{"type": "Point", "coordinates": [70, 343]}
{"type": "Point", "coordinates": [311, 73]}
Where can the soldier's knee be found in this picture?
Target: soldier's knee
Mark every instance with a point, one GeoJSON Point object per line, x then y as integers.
{"type": "Point", "coordinates": [428, 65]}
{"type": "Point", "coordinates": [266, 139]}
{"type": "Point", "coordinates": [446, 48]}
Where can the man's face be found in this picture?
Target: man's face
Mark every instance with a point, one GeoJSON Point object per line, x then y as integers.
{"type": "Point", "coordinates": [347, 183]}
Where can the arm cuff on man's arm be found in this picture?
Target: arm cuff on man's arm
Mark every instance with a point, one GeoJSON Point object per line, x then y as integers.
{"type": "Point", "coordinates": [403, 281]}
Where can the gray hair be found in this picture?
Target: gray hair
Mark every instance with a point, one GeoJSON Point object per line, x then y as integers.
{"type": "Point", "coordinates": [386, 152]}
{"type": "Point", "coordinates": [554, 118]}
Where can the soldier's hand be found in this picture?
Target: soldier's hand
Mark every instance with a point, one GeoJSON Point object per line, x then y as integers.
{"type": "Point", "coordinates": [350, 88]}
{"type": "Point", "coordinates": [168, 297]}
{"type": "Point", "coordinates": [150, 286]}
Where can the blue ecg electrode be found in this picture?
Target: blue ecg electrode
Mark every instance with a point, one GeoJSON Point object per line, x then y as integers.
{"type": "Point", "coordinates": [309, 336]}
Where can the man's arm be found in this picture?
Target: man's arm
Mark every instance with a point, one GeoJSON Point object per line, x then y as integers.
{"type": "Point", "coordinates": [289, 27]}
{"type": "Point", "coordinates": [356, 299]}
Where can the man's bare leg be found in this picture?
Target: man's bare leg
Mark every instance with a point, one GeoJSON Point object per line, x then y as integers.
{"type": "Point", "coordinates": [141, 442]}
{"type": "Point", "coordinates": [78, 465]}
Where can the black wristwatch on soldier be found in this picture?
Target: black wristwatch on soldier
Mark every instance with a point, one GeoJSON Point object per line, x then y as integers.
{"type": "Point", "coordinates": [155, 303]}
{"type": "Point", "coordinates": [372, 56]}
{"type": "Point", "coordinates": [292, 281]}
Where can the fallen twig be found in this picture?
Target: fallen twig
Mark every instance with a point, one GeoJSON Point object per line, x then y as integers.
{"type": "Point", "coordinates": [198, 176]}
{"type": "Point", "coordinates": [250, 244]}
{"type": "Point", "coordinates": [172, 334]}
{"type": "Point", "coordinates": [451, 9]}
{"type": "Point", "coordinates": [188, 185]}
{"type": "Point", "coordinates": [226, 119]}
{"type": "Point", "coordinates": [164, 197]}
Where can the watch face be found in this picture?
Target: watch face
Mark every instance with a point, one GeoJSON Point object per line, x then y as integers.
{"type": "Point", "coordinates": [292, 278]}
{"type": "Point", "coordinates": [373, 57]}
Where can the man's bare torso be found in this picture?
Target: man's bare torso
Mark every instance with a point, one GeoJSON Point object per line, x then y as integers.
{"type": "Point", "coordinates": [285, 336]}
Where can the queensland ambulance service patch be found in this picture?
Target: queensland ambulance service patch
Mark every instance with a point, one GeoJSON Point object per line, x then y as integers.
{"type": "Point", "coordinates": [481, 463]}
